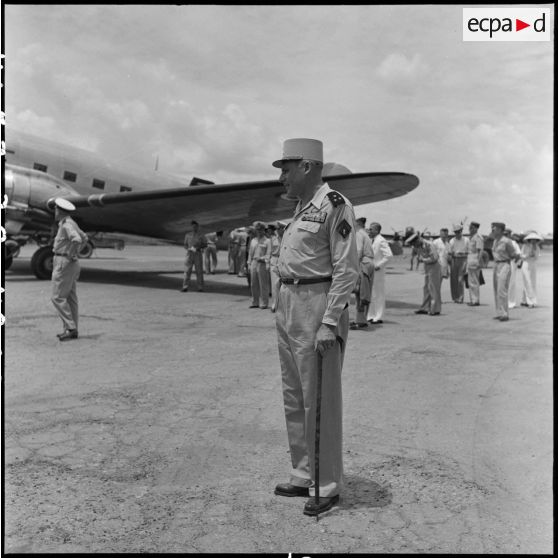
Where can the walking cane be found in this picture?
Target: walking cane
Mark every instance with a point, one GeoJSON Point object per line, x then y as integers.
{"type": "Point", "coordinates": [317, 437]}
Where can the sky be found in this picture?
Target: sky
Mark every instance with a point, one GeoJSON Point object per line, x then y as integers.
{"type": "Point", "coordinates": [213, 91]}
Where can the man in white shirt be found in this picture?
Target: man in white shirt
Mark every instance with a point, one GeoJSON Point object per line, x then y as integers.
{"type": "Point", "coordinates": [382, 253]}
{"type": "Point", "coordinates": [442, 245]}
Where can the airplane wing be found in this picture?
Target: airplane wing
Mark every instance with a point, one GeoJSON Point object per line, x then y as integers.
{"type": "Point", "coordinates": [168, 213]}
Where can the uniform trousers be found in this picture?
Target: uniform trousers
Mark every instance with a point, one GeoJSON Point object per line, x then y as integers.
{"type": "Point", "coordinates": [473, 277]}
{"type": "Point", "coordinates": [515, 291]}
{"type": "Point", "coordinates": [432, 297]}
{"type": "Point", "coordinates": [65, 274]}
{"type": "Point", "coordinates": [233, 258]}
{"type": "Point", "coordinates": [275, 281]}
{"type": "Point", "coordinates": [193, 259]}
{"type": "Point", "coordinates": [259, 283]}
{"type": "Point", "coordinates": [457, 281]}
{"type": "Point", "coordinates": [363, 290]}
{"type": "Point", "coordinates": [378, 299]}
{"type": "Point", "coordinates": [529, 273]}
{"type": "Point", "coordinates": [210, 256]}
{"type": "Point", "coordinates": [241, 261]}
{"type": "Point", "coordinates": [300, 309]}
{"type": "Point", "coordinates": [501, 281]}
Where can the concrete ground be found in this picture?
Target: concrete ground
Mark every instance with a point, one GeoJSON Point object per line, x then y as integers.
{"type": "Point", "coordinates": [161, 428]}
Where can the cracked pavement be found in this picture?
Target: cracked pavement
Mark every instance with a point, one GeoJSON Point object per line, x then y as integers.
{"type": "Point", "coordinates": [161, 428]}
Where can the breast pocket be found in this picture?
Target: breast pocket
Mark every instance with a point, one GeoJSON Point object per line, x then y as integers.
{"type": "Point", "coordinates": [308, 234]}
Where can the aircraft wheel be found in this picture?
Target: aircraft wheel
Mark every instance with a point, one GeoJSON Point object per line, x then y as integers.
{"type": "Point", "coordinates": [86, 250]}
{"type": "Point", "coordinates": [42, 262]}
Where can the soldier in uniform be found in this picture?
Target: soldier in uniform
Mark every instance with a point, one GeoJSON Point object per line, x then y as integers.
{"type": "Point", "coordinates": [318, 266]}
{"type": "Point", "coordinates": [474, 272]}
{"type": "Point", "coordinates": [194, 243]}
{"type": "Point", "coordinates": [259, 254]}
{"type": "Point", "coordinates": [65, 273]}
{"type": "Point", "coordinates": [504, 253]}
{"type": "Point", "coordinates": [428, 255]}
{"type": "Point", "coordinates": [363, 287]}
{"type": "Point", "coordinates": [233, 252]}
{"type": "Point", "coordinates": [457, 258]}
{"type": "Point", "coordinates": [210, 253]}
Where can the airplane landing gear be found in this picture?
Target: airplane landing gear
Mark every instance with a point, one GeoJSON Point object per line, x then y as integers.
{"type": "Point", "coordinates": [42, 262]}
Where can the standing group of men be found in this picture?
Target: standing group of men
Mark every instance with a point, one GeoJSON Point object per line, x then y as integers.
{"type": "Point", "coordinates": [461, 259]}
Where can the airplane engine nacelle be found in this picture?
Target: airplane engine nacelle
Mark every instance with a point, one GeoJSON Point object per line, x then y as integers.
{"type": "Point", "coordinates": [33, 189]}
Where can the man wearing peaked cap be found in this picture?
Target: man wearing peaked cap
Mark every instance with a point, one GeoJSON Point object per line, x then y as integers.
{"type": "Point", "coordinates": [504, 253]}
{"type": "Point", "coordinates": [65, 271]}
{"type": "Point", "coordinates": [318, 267]}
{"type": "Point", "coordinates": [457, 258]}
{"type": "Point", "coordinates": [475, 247]}
{"type": "Point", "coordinates": [297, 149]}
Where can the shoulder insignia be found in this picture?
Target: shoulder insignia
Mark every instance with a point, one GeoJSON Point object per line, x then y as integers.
{"type": "Point", "coordinates": [335, 198]}
{"type": "Point", "coordinates": [344, 228]}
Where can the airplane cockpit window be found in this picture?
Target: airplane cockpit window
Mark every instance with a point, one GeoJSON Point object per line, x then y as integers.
{"type": "Point", "coordinates": [98, 184]}
{"type": "Point", "coordinates": [125, 189]}
{"type": "Point", "coordinates": [70, 176]}
{"type": "Point", "coordinates": [40, 167]}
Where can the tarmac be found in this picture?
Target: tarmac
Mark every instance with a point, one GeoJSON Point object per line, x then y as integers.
{"type": "Point", "coordinates": [161, 429]}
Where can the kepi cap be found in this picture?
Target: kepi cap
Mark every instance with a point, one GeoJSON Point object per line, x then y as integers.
{"type": "Point", "coordinates": [297, 149]}
{"type": "Point", "coordinates": [64, 204]}
{"type": "Point", "coordinates": [474, 224]}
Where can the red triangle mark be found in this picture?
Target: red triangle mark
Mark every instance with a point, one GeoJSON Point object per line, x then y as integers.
{"type": "Point", "coordinates": [519, 25]}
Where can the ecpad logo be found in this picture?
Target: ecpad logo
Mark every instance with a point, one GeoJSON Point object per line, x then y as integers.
{"type": "Point", "coordinates": [506, 24]}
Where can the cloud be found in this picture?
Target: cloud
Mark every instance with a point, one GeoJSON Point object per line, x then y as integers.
{"type": "Point", "coordinates": [396, 67]}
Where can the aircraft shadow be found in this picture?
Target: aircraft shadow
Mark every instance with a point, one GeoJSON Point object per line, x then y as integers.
{"type": "Point", "coordinates": [400, 304]}
{"type": "Point", "coordinates": [159, 280]}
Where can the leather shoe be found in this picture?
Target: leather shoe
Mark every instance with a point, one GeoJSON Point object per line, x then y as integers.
{"type": "Point", "coordinates": [374, 322]}
{"type": "Point", "coordinates": [290, 490]}
{"type": "Point", "coordinates": [503, 318]}
{"type": "Point", "coordinates": [68, 334]}
{"type": "Point", "coordinates": [434, 313]}
{"type": "Point", "coordinates": [354, 325]}
{"type": "Point", "coordinates": [324, 504]}
{"type": "Point", "coordinates": [473, 304]}
{"type": "Point", "coordinates": [421, 312]}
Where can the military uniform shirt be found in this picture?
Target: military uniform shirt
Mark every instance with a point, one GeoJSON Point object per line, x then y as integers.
{"type": "Point", "coordinates": [364, 245]}
{"type": "Point", "coordinates": [427, 252]}
{"type": "Point", "coordinates": [69, 238]}
{"type": "Point", "coordinates": [503, 250]}
{"type": "Point", "coordinates": [320, 242]}
{"type": "Point", "coordinates": [458, 246]}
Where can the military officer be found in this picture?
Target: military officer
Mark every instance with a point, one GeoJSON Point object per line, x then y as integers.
{"type": "Point", "coordinates": [318, 266]}
{"type": "Point", "coordinates": [428, 255]}
{"type": "Point", "coordinates": [504, 253]}
{"type": "Point", "coordinates": [457, 258]}
{"type": "Point", "coordinates": [474, 251]}
{"type": "Point", "coordinates": [194, 243]}
{"type": "Point", "coordinates": [65, 272]}
{"type": "Point", "coordinates": [259, 254]}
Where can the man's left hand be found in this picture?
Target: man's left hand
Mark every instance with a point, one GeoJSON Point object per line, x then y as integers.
{"type": "Point", "coordinates": [325, 338]}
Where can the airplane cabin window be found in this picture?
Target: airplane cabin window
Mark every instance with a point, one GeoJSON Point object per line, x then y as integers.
{"type": "Point", "coordinates": [70, 176]}
{"type": "Point", "coordinates": [125, 189]}
{"type": "Point", "coordinates": [40, 167]}
{"type": "Point", "coordinates": [98, 184]}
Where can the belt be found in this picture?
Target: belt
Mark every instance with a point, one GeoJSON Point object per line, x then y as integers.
{"type": "Point", "coordinates": [304, 281]}
{"type": "Point", "coordinates": [63, 255]}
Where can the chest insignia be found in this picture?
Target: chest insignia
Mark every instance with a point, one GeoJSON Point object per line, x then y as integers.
{"type": "Point", "coordinates": [318, 217]}
{"type": "Point", "coordinates": [344, 228]}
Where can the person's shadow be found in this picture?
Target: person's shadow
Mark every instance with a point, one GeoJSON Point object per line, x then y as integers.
{"type": "Point", "coordinates": [361, 492]}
